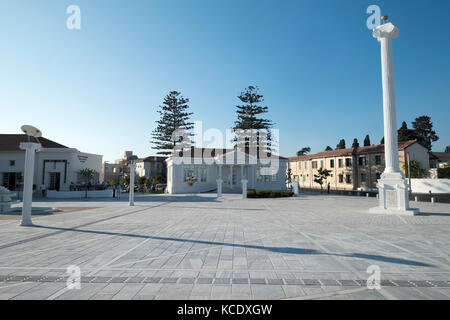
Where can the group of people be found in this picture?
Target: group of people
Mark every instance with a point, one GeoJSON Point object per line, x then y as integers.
{"type": "Point", "coordinates": [117, 189]}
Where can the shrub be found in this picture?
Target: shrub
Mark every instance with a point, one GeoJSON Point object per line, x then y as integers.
{"type": "Point", "coordinates": [444, 172]}
{"type": "Point", "coordinates": [268, 194]}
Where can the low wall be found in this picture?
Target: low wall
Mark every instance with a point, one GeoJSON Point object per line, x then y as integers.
{"type": "Point", "coordinates": [52, 194]}
{"type": "Point", "coordinates": [440, 186]}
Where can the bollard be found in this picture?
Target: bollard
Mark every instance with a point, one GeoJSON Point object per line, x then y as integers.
{"type": "Point", "coordinates": [367, 195]}
{"type": "Point", "coordinates": [416, 199]}
{"type": "Point", "coordinates": [432, 200]}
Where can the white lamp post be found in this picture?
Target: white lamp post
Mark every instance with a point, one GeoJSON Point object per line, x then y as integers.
{"type": "Point", "coordinates": [392, 187]}
{"type": "Point", "coordinates": [132, 167]}
{"type": "Point", "coordinates": [30, 150]}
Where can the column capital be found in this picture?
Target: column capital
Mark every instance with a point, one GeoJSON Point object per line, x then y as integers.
{"type": "Point", "coordinates": [30, 146]}
{"type": "Point", "coordinates": [387, 30]}
{"type": "Point", "coordinates": [132, 165]}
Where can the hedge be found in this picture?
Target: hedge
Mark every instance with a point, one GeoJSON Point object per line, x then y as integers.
{"type": "Point", "coordinates": [268, 194]}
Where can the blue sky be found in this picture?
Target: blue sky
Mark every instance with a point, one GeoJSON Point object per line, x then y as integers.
{"type": "Point", "coordinates": [97, 89]}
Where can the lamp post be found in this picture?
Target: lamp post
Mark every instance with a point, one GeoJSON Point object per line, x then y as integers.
{"type": "Point", "coordinates": [132, 167]}
{"type": "Point", "coordinates": [30, 150]}
{"type": "Point", "coordinates": [392, 187]}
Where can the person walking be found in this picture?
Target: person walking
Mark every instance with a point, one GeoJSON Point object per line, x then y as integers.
{"type": "Point", "coordinates": [328, 188]}
{"type": "Point", "coordinates": [119, 190]}
{"type": "Point", "coordinates": [43, 190]}
{"type": "Point", "coordinates": [114, 191]}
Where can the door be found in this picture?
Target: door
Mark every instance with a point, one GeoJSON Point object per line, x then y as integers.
{"type": "Point", "coordinates": [55, 180]}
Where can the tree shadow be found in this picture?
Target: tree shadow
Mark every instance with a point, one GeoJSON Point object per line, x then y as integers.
{"type": "Point", "coordinates": [286, 250]}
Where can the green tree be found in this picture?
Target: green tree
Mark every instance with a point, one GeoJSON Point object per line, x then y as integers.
{"type": "Point", "coordinates": [444, 172]}
{"type": "Point", "coordinates": [88, 175]}
{"type": "Point", "coordinates": [341, 144]}
{"type": "Point", "coordinates": [125, 181]}
{"type": "Point", "coordinates": [142, 181]}
{"type": "Point", "coordinates": [159, 179]}
{"type": "Point", "coordinates": [405, 134]}
{"type": "Point", "coordinates": [367, 141]}
{"type": "Point", "coordinates": [249, 117]}
{"type": "Point", "coordinates": [322, 174]}
{"type": "Point", "coordinates": [423, 129]}
{"type": "Point", "coordinates": [174, 115]}
{"type": "Point", "coordinates": [304, 151]}
{"type": "Point", "coordinates": [328, 148]}
{"type": "Point", "coordinates": [289, 176]}
{"type": "Point", "coordinates": [355, 144]}
{"type": "Point", "coordinates": [416, 171]}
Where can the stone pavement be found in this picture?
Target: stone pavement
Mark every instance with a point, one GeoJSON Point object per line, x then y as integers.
{"type": "Point", "coordinates": [199, 247]}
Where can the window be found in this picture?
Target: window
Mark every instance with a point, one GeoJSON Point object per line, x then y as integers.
{"type": "Point", "coordinates": [203, 173]}
{"type": "Point", "coordinates": [332, 163]}
{"type": "Point", "coordinates": [348, 162]}
{"type": "Point", "coordinates": [362, 161]}
{"type": "Point", "coordinates": [12, 163]}
{"type": "Point", "coordinates": [348, 178]}
{"type": "Point", "coordinates": [340, 163]}
{"type": "Point", "coordinates": [363, 177]}
{"type": "Point", "coordinates": [274, 177]}
{"type": "Point", "coordinates": [341, 178]}
{"type": "Point", "coordinates": [377, 160]}
{"type": "Point", "coordinates": [259, 177]}
{"type": "Point", "coordinates": [266, 178]}
{"type": "Point", "coordinates": [321, 163]}
{"type": "Point", "coordinates": [299, 165]}
{"type": "Point", "coordinates": [306, 164]}
{"type": "Point", "coordinates": [304, 178]}
{"type": "Point", "coordinates": [378, 176]}
{"type": "Point", "coordinates": [314, 164]}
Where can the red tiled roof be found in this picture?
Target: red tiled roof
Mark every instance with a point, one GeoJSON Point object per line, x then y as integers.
{"type": "Point", "coordinates": [11, 142]}
{"type": "Point", "coordinates": [152, 158]}
{"type": "Point", "coordinates": [348, 151]}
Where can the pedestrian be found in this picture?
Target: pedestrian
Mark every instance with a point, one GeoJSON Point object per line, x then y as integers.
{"type": "Point", "coordinates": [119, 190]}
{"type": "Point", "coordinates": [43, 190]}
{"type": "Point", "coordinates": [114, 191]}
{"type": "Point", "coordinates": [328, 187]}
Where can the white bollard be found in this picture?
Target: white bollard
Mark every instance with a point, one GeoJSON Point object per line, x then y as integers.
{"type": "Point", "coordinates": [295, 187]}
{"type": "Point", "coordinates": [244, 189]}
{"type": "Point", "coordinates": [432, 199]}
{"type": "Point", "coordinates": [219, 187]}
{"type": "Point", "coordinates": [30, 149]}
{"type": "Point", "coordinates": [416, 199]}
{"type": "Point", "coordinates": [367, 195]}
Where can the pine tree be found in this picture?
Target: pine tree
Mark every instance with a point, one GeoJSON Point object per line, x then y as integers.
{"type": "Point", "coordinates": [405, 134]}
{"type": "Point", "coordinates": [174, 115]}
{"type": "Point", "coordinates": [367, 141]}
{"type": "Point", "coordinates": [304, 151]}
{"type": "Point", "coordinates": [423, 129]}
{"type": "Point", "coordinates": [355, 144]}
{"type": "Point", "coordinates": [341, 144]}
{"type": "Point", "coordinates": [328, 148]}
{"type": "Point", "coordinates": [249, 117]}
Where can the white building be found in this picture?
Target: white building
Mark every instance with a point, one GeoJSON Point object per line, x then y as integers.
{"type": "Point", "coordinates": [56, 165]}
{"type": "Point", "coordinates": [205, 166]}
{"type": "Point", "coordinates": [151, 166]}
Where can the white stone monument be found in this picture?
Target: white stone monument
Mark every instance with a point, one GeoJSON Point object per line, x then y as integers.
{"type": "Point", "coordinates": [30, 150]}
{"type": "Point", "coordinates": [131, 193]}
{"type": "Point", "coordinates": [392, 187]}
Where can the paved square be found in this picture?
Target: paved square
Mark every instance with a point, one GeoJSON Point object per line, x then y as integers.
{"type": "Point", "coordinates": [201, 247]}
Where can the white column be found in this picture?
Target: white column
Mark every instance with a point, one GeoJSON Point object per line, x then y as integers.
{"type": "Point", "coordinates": [219, 182]}
{"type": "Point", "coordinates": [30, 150]}
{"type": "Point", "coordinates": [244, 188]}
{"type": "Point", "coordinates": [392, 187]}
{"type": "Point", "coordinates": [131, 194]}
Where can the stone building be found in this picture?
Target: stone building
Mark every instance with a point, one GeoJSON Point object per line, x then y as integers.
{"type": "Point", "coordinates": [353, 169]}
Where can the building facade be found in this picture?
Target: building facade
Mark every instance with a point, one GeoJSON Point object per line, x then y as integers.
{"type": "Point", "coordinates": [206, 166]}
{"type": "Point", "coordinates": [151, 166]}
{"type": "Point", "coordinates": [114, 172]}
{"type": "Point", "coordinates": [353, 169]}
{"type": "Point", "coordinates": [56, 165]}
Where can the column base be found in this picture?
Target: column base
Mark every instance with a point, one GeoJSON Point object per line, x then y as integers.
{"type": "Point", "coordinates": [393, 195]}
{"type": "Point", "coordinates": [406, 212]}
{"type": "Point", "coordinates": [26, 223]}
